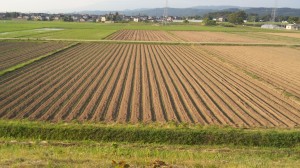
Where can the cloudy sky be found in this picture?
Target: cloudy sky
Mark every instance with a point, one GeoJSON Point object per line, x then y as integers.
{"type": "Point", "coordinates": [78, 5]}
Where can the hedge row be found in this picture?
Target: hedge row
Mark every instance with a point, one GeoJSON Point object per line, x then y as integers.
{"type": "Point", "coordinates": [186, 136]}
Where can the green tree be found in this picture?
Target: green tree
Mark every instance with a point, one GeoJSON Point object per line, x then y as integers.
{"type": "Point", "coordinates": [186, 21]}
{"type": "Point", "coordinates": [68, 19]}
{"type": "Point", "coordinates": [237, 18]}
{"type": "Point", "coordinates": [293, 20]}
{"type": "Point", "coordinates": [209, 22]}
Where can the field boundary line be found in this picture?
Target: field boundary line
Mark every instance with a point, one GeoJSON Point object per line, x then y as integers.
{"type": "Point", "coordinates": [18, 66]}
{"type": "Point", "coordinates": [154, 42]}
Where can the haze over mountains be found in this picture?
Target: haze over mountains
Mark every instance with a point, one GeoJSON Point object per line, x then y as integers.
{"type": "Point", "coordinates": [198, 10]}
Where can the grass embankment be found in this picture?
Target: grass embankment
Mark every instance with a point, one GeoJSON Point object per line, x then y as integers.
{"type": "Point", "coordinates": [168, 134]}
{"type": "Point", "coordinates": [38, 153]}
{"type": "Point", "coordinates": [18, 66]}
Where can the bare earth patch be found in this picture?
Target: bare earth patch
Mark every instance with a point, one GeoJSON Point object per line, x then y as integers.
{"type": "Point", "coordinates": [294, 35]}
{"type": "Point", "coordinates": [220, 37]}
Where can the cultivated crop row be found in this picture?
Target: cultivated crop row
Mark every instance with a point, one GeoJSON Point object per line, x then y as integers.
{"type": "Point", "coordinates": [142, 35]}
{"type": "Point", "coordinates": [197, 36]}
{"type": "Point", "coordinates": [142, 83]}
{"type": "Point", "coordinates": [277, 65]}
{"type": "Point", "coordinates": [13, 53]}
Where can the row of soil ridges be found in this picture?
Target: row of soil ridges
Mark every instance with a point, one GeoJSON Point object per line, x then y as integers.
{"type": "Point", "coordinates": [142, 83]}
{"type": "Point", "coordinates": [204, 37]}
{"type": "Point", "coordinates": [194, 36]}
{"type": "Point", "coordinates": [293, 35]}
{"type": "Point", "coordinates": [279, 66]}
{"type": "Point", "coordinates": [142, 35]}
{"type": "Point", "coordinates": [13, 53]}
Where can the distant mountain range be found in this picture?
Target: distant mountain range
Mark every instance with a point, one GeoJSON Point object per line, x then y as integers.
{"type": "Point", "coordinates": [199, 10]}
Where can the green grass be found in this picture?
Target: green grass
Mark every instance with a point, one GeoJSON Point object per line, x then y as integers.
{"type": "Point", "coordinates": [18, 66]}
{"type": "Point", "coordinates": [38, 153]}
{"type": "Point", "coordinates": [98, 31]}
{"type": "Point", "coordinates": [154, 133]}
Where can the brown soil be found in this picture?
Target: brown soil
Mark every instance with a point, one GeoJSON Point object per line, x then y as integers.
{"type": "Point", "coordinates": [153, 83]}
{"type": "Point", "coordinates": [220, 37]}
{"type": "Point", "coordinates": [142, 35]}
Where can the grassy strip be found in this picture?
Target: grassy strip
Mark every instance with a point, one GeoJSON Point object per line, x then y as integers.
{"type": "Point", "coordinates": [157, 42]}
{"type": "Point", "coordinates": [151, 134]}
{"type": "Point", "coordinates": [37, 153]}
{"type": "Point", "coordinates": [13, 68]}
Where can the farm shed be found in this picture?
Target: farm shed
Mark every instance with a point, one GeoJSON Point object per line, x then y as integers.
{"type": "Point", "coordinates": [292, 27]}
{"type": "Point", "coordinates": [270, 26]}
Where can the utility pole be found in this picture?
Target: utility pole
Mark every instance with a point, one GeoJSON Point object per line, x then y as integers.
{"type": "Point", "coordinates": [274, 11]}
{"type": "Point", "coordinates": [165, 14]}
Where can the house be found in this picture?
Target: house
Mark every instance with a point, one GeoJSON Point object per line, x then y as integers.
{"type": "Point", "coordinates": [221, 19]}
{"type": "Point", "coordinates": [292, 27]}
{"type": "Point", "coordinates": [103, 19]}
{"type": "Point", "coordinates": [56, 18]}
{"type": "Point", "coordinates": [136, 19]}
{"type": "Point", "coordinates": [170, 19]}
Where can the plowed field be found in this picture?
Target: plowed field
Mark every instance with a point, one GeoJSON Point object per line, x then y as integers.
{"type": "Point", "coordinates": [294, 35]}
{"type": "Point", "coordinates": [194, 36]}
{"type": "Point", "coordinates": [279, 66]}
{"type": "Point", "coordinates": [142, 35]}
{"type": "Point", "coordinates": [12, 53]}
{"type": "Point", "coordinates": [142, 83]}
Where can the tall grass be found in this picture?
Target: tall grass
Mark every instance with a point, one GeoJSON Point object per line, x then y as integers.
{"type": "Point", "coordinates": [151, 134]}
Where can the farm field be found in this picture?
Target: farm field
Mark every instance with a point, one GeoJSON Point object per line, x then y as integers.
{"type": "Point", "coordinates": [193, 36]}
{"type": "Point", "coordinates": [142, 83]}
{"type": "Point", "coordinates": [270, 37]}
{"type": "Point", "coordinates": [142, 35]}
{"type": "Point", "coordinates": [13, 53]}
{"type": "Point", "coordinates": [294, 35]}
{"type": "Point", "coordinates": [278, 66]}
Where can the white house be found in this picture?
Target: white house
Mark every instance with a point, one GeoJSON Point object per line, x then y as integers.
{"type": "Point", "coordinates": [136, 19]}
{"type": "Point", "coordinates": [103, 19]}
{"type": "Point", "coordinates": [221, 19]}
{"type": "Point", "coordinates": [292, 27]}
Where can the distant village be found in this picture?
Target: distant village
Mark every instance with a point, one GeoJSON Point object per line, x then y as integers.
{"type": "Point", "coordinates": [107, 18]}
{"type": "Point", "coordinates": [120, 18]}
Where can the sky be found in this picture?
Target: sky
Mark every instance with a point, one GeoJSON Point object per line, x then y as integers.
{"type": "Point", "coordinates": [53, 6]}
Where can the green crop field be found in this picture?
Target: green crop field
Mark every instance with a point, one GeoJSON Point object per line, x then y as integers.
{"type": "Point", "coordinates": [98, 31]}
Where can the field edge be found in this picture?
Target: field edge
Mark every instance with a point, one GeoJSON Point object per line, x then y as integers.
{"type": "Point", "coordinates": [171, 133]}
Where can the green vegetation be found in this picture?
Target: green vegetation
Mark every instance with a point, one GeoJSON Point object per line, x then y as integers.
{"type": "Point", "coordinates": [34, 60]}
{"type": "Point", "coordinates": [99, 31]}
{"type": "Point", "coordinates": [154, 133]}
{"type": "Point", "coordinates": [38, 153]}
{"type": "Point", "coordinates": [237, 17]}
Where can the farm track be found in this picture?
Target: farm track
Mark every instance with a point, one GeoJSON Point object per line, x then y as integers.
{"type": "Point", "coordinates": [14, 53]}
{"type": "Point", "coordinates": [142, 83]}
{"type": "Point", "coordinates": [270, 64]}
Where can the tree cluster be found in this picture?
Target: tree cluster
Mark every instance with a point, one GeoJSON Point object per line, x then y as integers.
{"type": "Point", "coordinates": [237, 17]}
